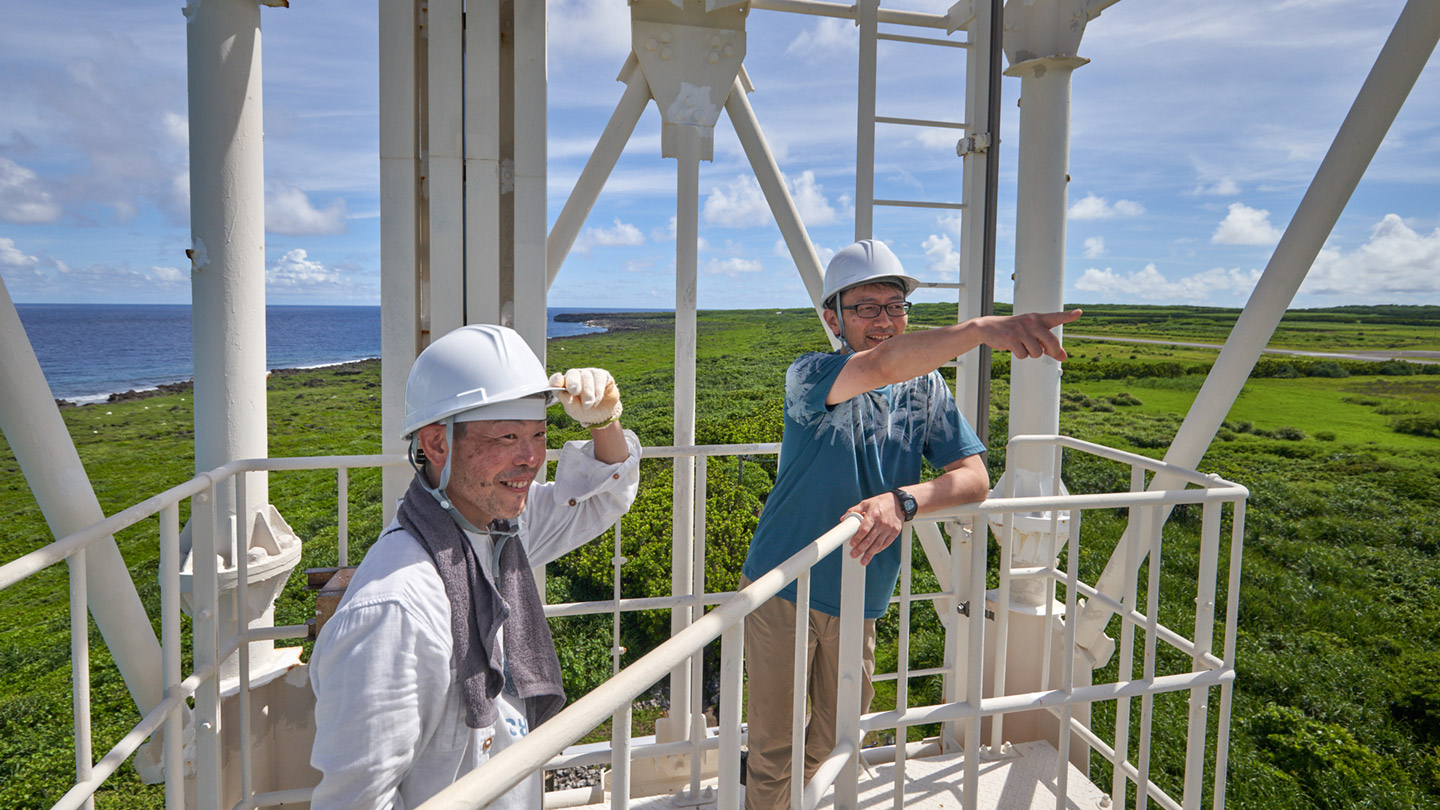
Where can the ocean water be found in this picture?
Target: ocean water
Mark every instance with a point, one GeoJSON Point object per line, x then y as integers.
{"type": "Point", "coordinates": [89, 351]}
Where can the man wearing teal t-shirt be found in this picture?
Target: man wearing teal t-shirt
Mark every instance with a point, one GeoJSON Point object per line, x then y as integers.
{"type": "Point", "coordinates": [858, 423]}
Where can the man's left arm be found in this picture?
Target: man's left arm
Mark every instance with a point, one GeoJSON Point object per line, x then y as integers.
{"type": "Point", "coordinates": [964, 481]}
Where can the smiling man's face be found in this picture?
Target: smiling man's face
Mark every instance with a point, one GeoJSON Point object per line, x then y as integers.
{"type": "Point", "coordinates": [493, 466]}
{"type": "Point", "coordinates": [862, 333]}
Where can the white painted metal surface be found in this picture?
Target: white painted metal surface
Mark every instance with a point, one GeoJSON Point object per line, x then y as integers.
{"type": "Point", "coordinates": [227, 228]}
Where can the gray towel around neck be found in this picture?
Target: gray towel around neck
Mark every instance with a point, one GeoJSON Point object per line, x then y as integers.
{"type": "Point", "coordinates": [479, 607]}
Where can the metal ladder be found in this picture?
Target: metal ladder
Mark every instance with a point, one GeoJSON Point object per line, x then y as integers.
{"type": "Point", "coordinates": [970, 392]}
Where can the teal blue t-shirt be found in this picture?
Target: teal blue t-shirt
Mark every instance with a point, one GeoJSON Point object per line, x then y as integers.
{"type": "Point", "coordinates": [833, 457]}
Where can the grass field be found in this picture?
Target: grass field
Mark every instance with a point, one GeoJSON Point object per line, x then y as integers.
{"type": "Point", "coordinates": [1338, 698]}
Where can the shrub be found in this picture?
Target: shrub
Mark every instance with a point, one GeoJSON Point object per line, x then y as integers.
{"type": "Point", "coordinates": [1327, 368]}
{"type": "Point", "coordinates": [1325, 436]}
{"type": "Point", "coordinates": [1292, 434]}
{"type": "Point", "coordinates": [1420, 424]}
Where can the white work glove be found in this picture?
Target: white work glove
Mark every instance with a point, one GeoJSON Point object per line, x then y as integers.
{"type": "Point", "coordinates": [589, 395]}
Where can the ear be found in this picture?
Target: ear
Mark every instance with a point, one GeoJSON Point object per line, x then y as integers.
{"type": "Point", "coordinates": [432, 441]}
{"type": "Point", "coordinates": [831, 321]}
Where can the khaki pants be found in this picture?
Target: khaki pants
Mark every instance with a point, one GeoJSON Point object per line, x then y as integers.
{"type": "Point", "coordinates": [770, 667]}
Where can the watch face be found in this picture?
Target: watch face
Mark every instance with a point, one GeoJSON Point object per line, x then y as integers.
{"type": "Point", "coordinates": [907, 503]}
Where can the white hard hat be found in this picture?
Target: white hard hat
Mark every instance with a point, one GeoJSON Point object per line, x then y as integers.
{"type": "Point", "coordinates": [865, 262]}
{"type": "Point", "coordinates": [475, 372]}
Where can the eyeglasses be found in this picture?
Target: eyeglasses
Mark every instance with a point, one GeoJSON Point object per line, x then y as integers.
{"type": "Point", "coordinates": [871, 311]}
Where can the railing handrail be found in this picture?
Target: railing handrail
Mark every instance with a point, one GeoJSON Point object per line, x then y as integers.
{"type": "Point", "coordinates": [530, 753]}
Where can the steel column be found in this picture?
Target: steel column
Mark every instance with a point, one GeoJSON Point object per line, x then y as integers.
{"type": "Point", "coordinates": [227, 226]}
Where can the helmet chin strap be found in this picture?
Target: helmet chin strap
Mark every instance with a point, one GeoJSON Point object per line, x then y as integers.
{"type": "Point", "coordinates": [438, 492]}
{"type": "Point", "coordinates": [840, 319]}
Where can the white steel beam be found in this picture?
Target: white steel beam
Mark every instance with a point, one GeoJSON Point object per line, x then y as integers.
{"type": "Point", "coordinates": [1043, 165]}
{"type": "Point", "coordinates": [400, 325]}
{"type": "Point", "coordinates": [1397, 67]}
{"type": "Point", "coordinates": [531, 280]}
{"type": "Point", "coordinates": [444, 170]}
{"type": "Point", "coordinates": [597, 169]}
{"type": "Point", "coordinates": [227, 228]}
{"type": "Point", "coordinates": [687, 234]}
{"type": "Point", "coordinates": [482, 161]}
{"type": "Point", "coordinates": [866, 12]}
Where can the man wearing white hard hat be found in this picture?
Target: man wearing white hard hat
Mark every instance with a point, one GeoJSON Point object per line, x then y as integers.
{"type": "Point", "coordinates": [438, 656]}
{"type": "Point", "coordinates": [858, 423]}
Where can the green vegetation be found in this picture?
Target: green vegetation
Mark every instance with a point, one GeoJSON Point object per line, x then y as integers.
{"type": "Point", "coordinates": [1337, 703]}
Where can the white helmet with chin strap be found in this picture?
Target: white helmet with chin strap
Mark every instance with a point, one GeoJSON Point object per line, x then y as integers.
{"type": "Point", "coordinates": [476, 372]}
{"type": "Point", "coordinates": [868, 261]}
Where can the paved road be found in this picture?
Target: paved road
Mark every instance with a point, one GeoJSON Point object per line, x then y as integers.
{"type": "Point", "coordinates": [1410, 356]}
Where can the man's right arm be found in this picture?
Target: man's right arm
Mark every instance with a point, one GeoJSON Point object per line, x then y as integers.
{"type": "Point", "coordinates": [912, 354]}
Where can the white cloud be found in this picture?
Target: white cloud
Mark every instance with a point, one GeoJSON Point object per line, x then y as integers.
{"type": "Point", "coordinates": [810, 200]}
{"type": "Point", "coordinates": [733, 267]}
{"type": "Point", "coordinates": [1094, 247]}
{"type": "Point", "coordinates": [295, 270]}
{"type": "Point", "coordinates": [1224, 187]}
{"type": "Point", "coordinates": [1396, 264]}
{"type": "Point", "coordinates": [741, 203]}
{"type": "Point", "coordinates": [951, 224]}
{"type": "Point", "coordinates": [11, 256]}
{"type": "Point", "coordinates": [941, 258]}
{"type": "Point", "coordinates": [622, 234]}
{"type": "Point", "coordinates": [1093, 207]}
{"type": "Point", "coordinates": [1150, 284]}
{"type": "Point", "coordinates": [587, 30]}
{"type": "Point", "coordinates": [829, 37]}
{"type": "Point", "coordinates": [168, 275]}
{"type": "Point", "coordinates": [288, 211]}
{"type": "Point", "coordinates": [45, 278]}
{"type": "Point", "coordinates": [23, 199]}
{"type": "Point", "coordinates": [1245, 226]}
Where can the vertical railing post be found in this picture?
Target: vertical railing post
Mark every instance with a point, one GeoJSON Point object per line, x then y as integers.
{"type": "Point", "coordinates": [1156, 522]}
{"type": "Point", "coordinates": [697, 666]}
{"type": "Point", "coordinates": [798, 688]}
{"type": "Point", "coordinates": [732, 667]}
{"type": "Point", "coordinates": [80, 670]}
{"type": "Point", "coordinates": [205, 591]}
{"type": "Point", "coordinates": [902, 662]}
{"type": "Point", "coordinates": [342, 517]}
{"type": "Point", "coordinates": [620, 731]}
{"type": "Point", "coordinates": [1125, 669]}
{"type": "Point", "coordinates": [1204, 642]}
{"type": "Point", "coordinates": [1232, 612]}
{"type": "Point", "coordinates": [848, 691]}
{"type": "Point", "coordinates": [171, 674]}
{"type": "Point", "coordinates": [616, 562]}
{"type": "Point", "coordinates": [242, 629]}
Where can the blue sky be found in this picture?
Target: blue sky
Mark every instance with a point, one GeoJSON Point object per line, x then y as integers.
{"type": "Point", "coordinates": [1195, 131]}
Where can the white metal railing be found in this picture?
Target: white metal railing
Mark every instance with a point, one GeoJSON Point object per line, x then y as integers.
{"type": "Point", "coordinates": [840, 769]}
{"type": "Point", "coordinates": [961, 570]}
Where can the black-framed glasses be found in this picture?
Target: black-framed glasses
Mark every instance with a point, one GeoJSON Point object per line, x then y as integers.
{"type": "Point", "coordinates": [871, 311]}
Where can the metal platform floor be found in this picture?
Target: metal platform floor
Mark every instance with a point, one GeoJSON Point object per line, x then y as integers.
{"type": "Point", "coordinates": [1025, 781]}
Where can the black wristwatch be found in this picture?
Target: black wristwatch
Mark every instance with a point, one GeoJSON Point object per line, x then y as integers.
{"type": "Point", "coordinates": [908, 507]}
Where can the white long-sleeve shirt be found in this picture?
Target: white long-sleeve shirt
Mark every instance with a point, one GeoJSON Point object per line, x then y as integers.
{"type": "Point", "coordinates": [389, 716]}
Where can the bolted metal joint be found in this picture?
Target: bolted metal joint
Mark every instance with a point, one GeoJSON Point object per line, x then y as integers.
{"type": "Point", "coordinates": [977, 143]}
